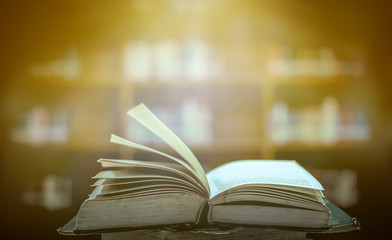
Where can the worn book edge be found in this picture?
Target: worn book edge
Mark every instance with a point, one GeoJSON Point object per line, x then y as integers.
{"type": "Point", "coordinates": [339, 222]}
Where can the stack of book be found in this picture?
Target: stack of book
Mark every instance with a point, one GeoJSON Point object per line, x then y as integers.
{"type": "Point", "coordinates": [175, 198]}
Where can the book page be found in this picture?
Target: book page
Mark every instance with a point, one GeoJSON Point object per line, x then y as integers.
{"type": "Point", "coordinates": [287, 173]}
{"type": "Point", "coordinates": [122, 141]}
{"type": "Point", "coordinates": [170, 167]}
{"type": "Point", "coordinates": [144, 116]}
{"type": "Point", "coordinates": [128, 189]}
{"type": "Point", "coordinates": [133, 174]}
{"type": "Point", "coordinates": [193, 175]}
{"type": "Point", "coordinates": [113, 163]}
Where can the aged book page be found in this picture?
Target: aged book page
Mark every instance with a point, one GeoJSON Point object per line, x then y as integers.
{"type": "Point", "coordinates": [122, 141]}
{"type": "Point", "coordinates": [287, 173]}
{"type": "Point", "coordinates": [144, 116]}
{"type": "Point", "coordinates": [177, 169]}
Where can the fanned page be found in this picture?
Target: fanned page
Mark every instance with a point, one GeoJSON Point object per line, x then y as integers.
{"type": "Point", "coordinates": [189, 171]}
{"type": "Point", "coordinates": [233, 174]}
{"type": "Point", "coordinates": [145, 117]}
{"type": "Point", "coordinates": [164, 166]}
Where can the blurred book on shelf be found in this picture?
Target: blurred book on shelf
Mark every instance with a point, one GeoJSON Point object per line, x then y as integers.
{"type": "Point", "coordinates": [69, 67]}
{"type": "Point", "coordinates": [55, 193]}
{"type": "Point", "coordinates": [327, 124]}
{"type": "Point", "coordinates": [341, 185]}
{"type": "Point", "coordinates": [284, 61]}
{"type": "Point", "coordinates": [41, 126]}
{"type": "Point", "coordinates": [192, 60]}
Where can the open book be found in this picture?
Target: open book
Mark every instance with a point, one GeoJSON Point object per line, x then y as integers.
{"type": "Point", "coordinates": [134, 194]}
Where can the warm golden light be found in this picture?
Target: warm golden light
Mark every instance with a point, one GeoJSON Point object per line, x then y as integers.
{"type": "Point", "coordinates": [299, 80]}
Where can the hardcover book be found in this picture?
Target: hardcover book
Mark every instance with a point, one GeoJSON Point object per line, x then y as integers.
{"type": "Point", "coordinates": [177, 193]}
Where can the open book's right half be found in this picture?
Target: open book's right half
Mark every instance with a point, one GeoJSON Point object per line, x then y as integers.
{"type": "Point", "coordinates": [266, 192]}
{"type": "Point", "coordinates": [274, 193]}
{"type": "Point", "coordinates": [148, 193]}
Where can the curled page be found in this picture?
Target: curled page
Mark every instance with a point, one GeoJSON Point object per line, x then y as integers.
{"type": "Point", "coordinates": [171, 167]}
{"type": "Point", "coordinates": [144, 116]}
{"type": "Point", "coordinates": [125, 142]}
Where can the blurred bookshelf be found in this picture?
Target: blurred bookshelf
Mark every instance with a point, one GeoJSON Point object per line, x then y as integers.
{"type": "Point", "coordinates": [227, 109]}
{"type": "Point", "coordinates": [231, 106]}
{"type": "Point", "coordinates": [233, 80]}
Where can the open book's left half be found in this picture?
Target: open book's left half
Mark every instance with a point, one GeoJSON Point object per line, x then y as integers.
{"type": "Point", "coordinates": [138, 193]}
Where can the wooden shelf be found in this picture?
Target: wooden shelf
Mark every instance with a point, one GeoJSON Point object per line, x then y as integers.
{"type": "Point", "coordinates": [313, 81]}
{"type": "Point", "coordinates": [69, 147]}
{"type": "Point", "coordinates": [82, 82]}
{"type": "Point", "coordinates": [244, 80]}
{"type": "Point", "coordinates": [341, 145]}
{"type": "Point", "coordinates": [187, 83]}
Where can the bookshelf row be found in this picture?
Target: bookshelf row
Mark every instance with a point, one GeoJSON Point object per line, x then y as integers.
{"type": "Point", "coordinates": [226, 97]}
{"type": "Point", "coordinates": [118, 81]}
{"type": "Point", "coordinates": [203, 122]}
{"type": "Point", "coordinates": [196, 61]}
